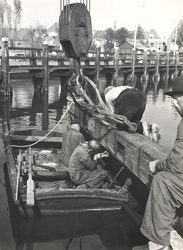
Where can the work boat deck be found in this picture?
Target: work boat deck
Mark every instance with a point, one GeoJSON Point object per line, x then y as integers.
{"type": "Point", "coordinates": [130, 152]}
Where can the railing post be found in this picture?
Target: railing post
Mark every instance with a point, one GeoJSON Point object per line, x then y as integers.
{"type": "Point", "coordinates": [156, 74]}
{"type": "Point", "coordinates": [176, 63]}
{"type": "Point", "coordinates": [144, 76]}
{"type": "Point", "coordinates": [167, 63]}
{"type": "Point", "coordinates": [116, 66]}
{"type": "Point", "coordinates": [45, 63]}
{"type": "Point", "coordinates": [5, 67]}
{"type": "Point", "coordinates": [133, 65]}
{"type": "Point", "coordinates": [33, 59]}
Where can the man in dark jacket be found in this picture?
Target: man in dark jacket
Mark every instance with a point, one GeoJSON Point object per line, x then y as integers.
{"type": "Point", "coordinates": [83, 166]}
{"type": "Point", "coordinates": [131, 103]}
{"type": "Point", "coordinates": [70, 140]}
{"type": "Point", "coordinates": [166, 192]}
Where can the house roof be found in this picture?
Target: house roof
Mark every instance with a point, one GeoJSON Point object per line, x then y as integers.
{"type": "Point", "coordinates": [177, 26]}
{"type": "Point", "coordinates": [152, 31]}
{"type": "Point", "coordinates": [139, 45]}
{"type": "Point", "coordinates": [99, 34]}
{"type": "Point", "coordinates": [53, 28]}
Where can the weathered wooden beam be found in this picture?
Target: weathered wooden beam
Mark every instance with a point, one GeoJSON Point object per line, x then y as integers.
{"type": "Point", "coordinates": [135, 151]}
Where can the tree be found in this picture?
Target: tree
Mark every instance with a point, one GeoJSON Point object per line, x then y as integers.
{"type": "Point", "coordinates": [180, 36]}
{"type": "Point", "coordinates": [121, 35]}
{"type": "Point", "coordinates": [140, 33]}
{"type": "Point", "coordinates": [2, 14]}
{"type": "Point", "coordinates": [17, 15]}
{"type": "Point", "coordinates": [35, 35]}
{"type": "Point", "coordinates": [109, 36]}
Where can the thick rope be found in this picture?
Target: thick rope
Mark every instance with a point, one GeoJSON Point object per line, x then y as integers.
{"type": "Point", "coordinates": [132, 127]}
{"type": "Point", "coordinates": [33, 144]}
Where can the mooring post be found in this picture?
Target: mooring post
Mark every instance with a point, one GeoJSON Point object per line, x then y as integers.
{"type": "Point", "coordinates": [45, 116]}
{"type": "Point", "coordinates": [116, 66]}
{"type": "Point", "coordinates": [45, 63]}
{"type": "Point", "coordinates": [5, 67]}
{"type": "Point", "coordinates": [167, 63]}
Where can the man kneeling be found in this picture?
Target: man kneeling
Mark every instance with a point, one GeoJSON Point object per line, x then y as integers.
{"type": "Point", "coordinates": [83, 166]}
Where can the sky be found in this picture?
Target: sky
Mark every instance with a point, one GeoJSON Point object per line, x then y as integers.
{"type": "Point", "coordinates": [162, 15]}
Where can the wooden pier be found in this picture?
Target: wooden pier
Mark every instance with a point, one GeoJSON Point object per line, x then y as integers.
{"type": "Point", "coordinates": [40, 65]}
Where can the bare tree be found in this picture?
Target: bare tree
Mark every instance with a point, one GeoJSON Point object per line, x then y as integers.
{"type": "Point", "coordinates": [35, 35]}
{"type": "Point", "coordinates": [2, 14]}
{"type": "Point", "coordinates": [17, 15]}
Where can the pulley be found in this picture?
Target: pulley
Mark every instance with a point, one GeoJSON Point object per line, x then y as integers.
{"type": "Point", "coordinates": [75, 29]}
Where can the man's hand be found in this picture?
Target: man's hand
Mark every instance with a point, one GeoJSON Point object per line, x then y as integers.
{"type": "Point", "coordinates": [152, 166]}
{"type": "Point", "coordinates": [101, 155]}
{"type": "Point", "coordinates": [105, 154]}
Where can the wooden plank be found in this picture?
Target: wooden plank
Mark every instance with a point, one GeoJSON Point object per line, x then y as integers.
{"type": "Point", "coordinates": [135, 151]}
{"type": "Point", "coordinates": [32, 138]}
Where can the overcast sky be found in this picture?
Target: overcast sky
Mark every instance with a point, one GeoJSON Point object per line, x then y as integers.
{"type": "Point", "coordinates": [163, 15]}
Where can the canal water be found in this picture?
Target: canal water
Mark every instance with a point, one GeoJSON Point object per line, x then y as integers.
{"type": "Point", "coordinates": [93, 231]}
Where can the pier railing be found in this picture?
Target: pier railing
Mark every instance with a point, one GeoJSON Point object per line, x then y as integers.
{"type": "Point", "coordinates": [40, 64]}
{"type": "Point", "coordinates": [34, 56]}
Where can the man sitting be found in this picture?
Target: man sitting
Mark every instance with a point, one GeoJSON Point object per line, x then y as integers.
{"type": "Point", "coordinates": [83, 166]}
{"type": "Point", "coordinates": [70, 140]}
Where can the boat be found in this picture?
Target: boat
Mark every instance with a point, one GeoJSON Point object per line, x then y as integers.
{"type": "Point", "coordinates": [40, 184]}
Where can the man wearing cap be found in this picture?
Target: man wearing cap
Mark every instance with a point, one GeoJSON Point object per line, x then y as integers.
{"type": "Point", "coordinates": [70, 140]}
{"type": "Point", "coordinates": [131, 103]}
{"type": "Point", "coordinates": [166, 192]}
{"type": "Point", "coordinates": [83, 166]}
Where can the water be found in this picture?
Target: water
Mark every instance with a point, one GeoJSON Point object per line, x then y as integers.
{"type": "Point", "coordinates": [90, 231]}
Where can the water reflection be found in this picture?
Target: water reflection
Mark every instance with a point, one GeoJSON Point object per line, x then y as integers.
{"type": "Point", "coordinates": [90, 231]}
{"type": "Point", "coordinates": [101, 230]}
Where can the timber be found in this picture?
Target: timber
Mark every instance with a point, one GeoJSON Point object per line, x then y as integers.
{"type": "Point", "coordinates": [134, 151]}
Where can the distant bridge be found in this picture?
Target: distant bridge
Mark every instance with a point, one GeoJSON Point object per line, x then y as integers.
{"type": "Point", "coordinates": [44, 64]}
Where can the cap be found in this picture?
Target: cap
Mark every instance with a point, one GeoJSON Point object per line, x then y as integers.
{"type": "Point", "coordinates": [74, 122]}
{"type": "Point", "coordinates": [107, 89]}
{"type": "Point", "coordinates": [177, 87]}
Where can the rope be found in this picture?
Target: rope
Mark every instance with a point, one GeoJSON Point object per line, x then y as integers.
{"type": "Point", "coordinates": [31, 145]}
{"type": "Point", "coordinates": [132, 127]}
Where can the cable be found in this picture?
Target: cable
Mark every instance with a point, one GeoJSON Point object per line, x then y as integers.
{"type": "Point", "coordinates": [31, 145]}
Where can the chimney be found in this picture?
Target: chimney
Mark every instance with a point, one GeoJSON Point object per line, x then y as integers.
{"type": "Point", "coordinates": [114, 25]}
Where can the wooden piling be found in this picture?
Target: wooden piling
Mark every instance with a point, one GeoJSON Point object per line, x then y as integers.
{"type": "Point", "coordinates": [156, 74]}
{"type": "Point", "coordinates": [45, 64]}
{"type": "Point", "coordinates": [5, 67]}
{"type": "Point", "coordinates": [176, 63]}
{"type": "Point", "coordinates": [133, 65]}
{"type": "Point", "coordinates": [144, 76]}
{"type": "Point", "coordinates": [167, 63]}
{"type": "Point", "coordinates": [45, 117]}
